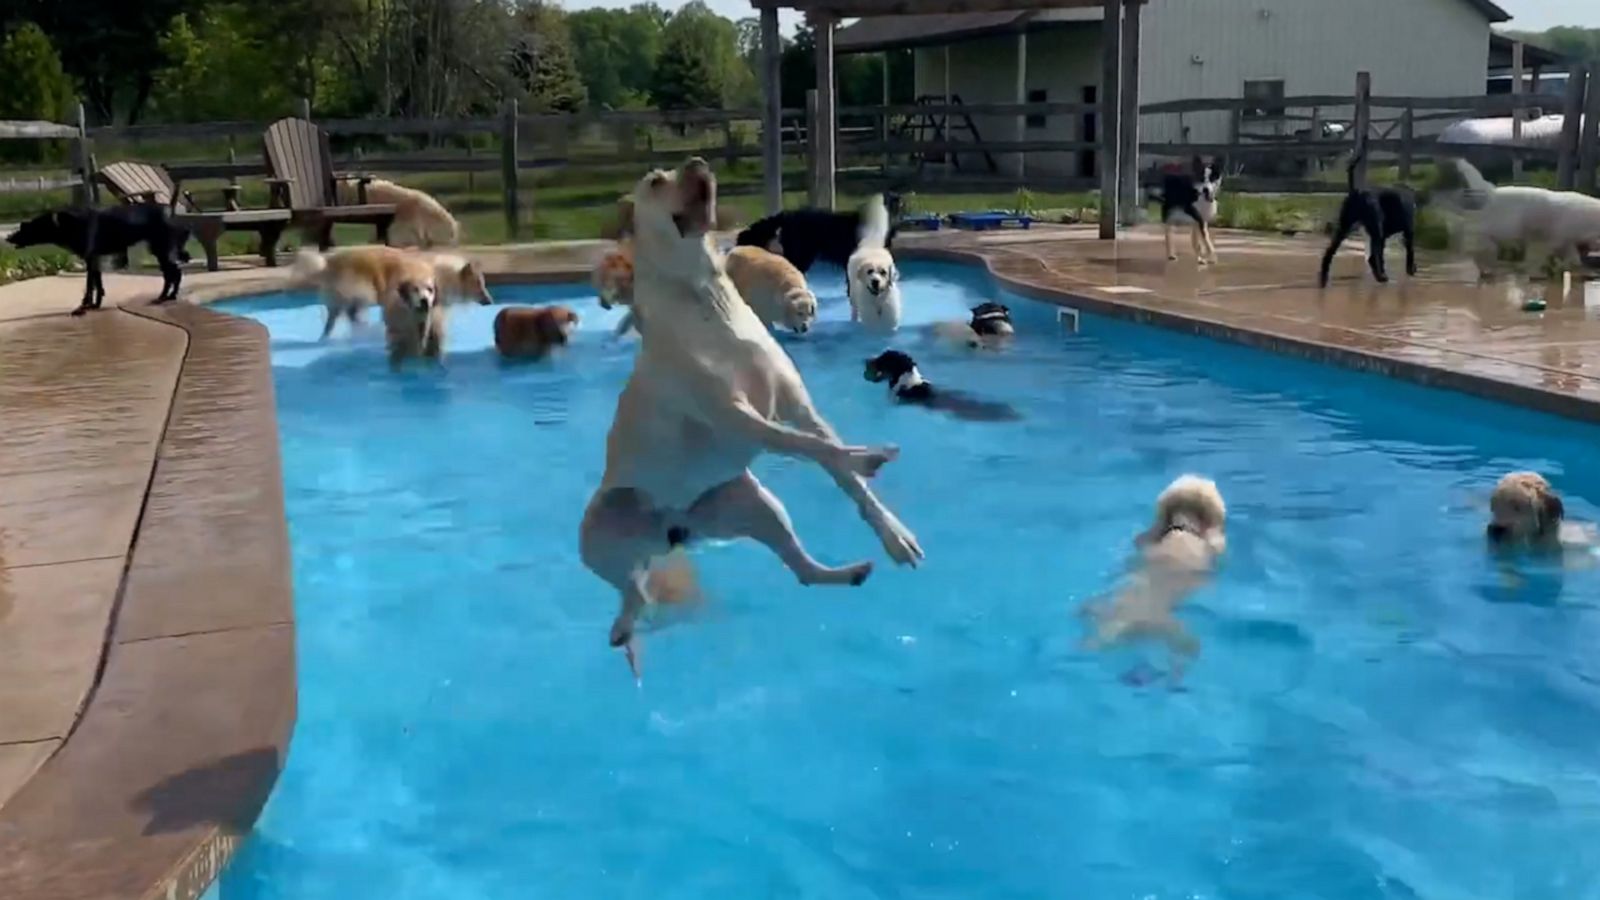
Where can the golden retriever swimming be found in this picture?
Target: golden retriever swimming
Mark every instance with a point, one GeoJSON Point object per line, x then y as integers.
{"type": "Point", "coordinates": [1525, 512]}
{"type": "Point", "coordinates": [711, 390]}
{"type": "Point", "coordinates": [1177, 555]}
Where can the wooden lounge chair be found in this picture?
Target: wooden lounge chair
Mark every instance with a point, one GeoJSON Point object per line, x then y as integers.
{"type": "Point", "coordinates": [136, 182]}
{"type": "Point", "coordinates": [304, 182]}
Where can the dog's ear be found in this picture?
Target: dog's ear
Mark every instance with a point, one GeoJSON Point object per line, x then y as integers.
{"type": "Point", "coordinates": [1551, 511]}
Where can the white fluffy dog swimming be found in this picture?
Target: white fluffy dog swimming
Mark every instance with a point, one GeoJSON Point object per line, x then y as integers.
{"type": "Point", "coordinates": [1549, 224]}
{"type": "Point", "coordinates": [873, 282]}
{"type": "Point", "coordinates": [1177, 554]}
{"type": "Point", "coordinates": [710, 391]}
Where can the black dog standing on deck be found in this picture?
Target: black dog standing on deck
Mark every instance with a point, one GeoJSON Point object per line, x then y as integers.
{"type": "Point", "coordinates": [803, 236]}
{"type": "Point", "coordinates": [92, 233]}
{"type": "Point", "coordinates": [1383, 214]}
{"type": "Point", "coordinates": [907, 386]}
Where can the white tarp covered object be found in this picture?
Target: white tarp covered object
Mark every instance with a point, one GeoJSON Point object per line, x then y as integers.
{"type": "Point", "coordinates": [1544, 131]}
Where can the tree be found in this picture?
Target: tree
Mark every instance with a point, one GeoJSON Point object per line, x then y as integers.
{"type": "Point", "coordinates": [1578, 43]}
{"type": "Point", "coordinates": [699, 66]}
{"type": "Point", "coordinates": [220, 69]}
{"type": "Point", "coordinates": [109, 47]}
{"type": "Point", "coordinates": [36, 87]}
{"type": "Point", "coordinates": [617, 51]}
{"type": "Point", "coordinates": [543, 62]}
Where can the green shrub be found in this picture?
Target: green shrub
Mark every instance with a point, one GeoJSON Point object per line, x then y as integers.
{"type": "Point", "coordinates": [33, 86]}
{"type": "Point", "coordinates": [18, 265]}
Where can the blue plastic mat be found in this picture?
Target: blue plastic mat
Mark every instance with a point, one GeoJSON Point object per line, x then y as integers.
{"type": "Point", "coordinates": [984, 221]}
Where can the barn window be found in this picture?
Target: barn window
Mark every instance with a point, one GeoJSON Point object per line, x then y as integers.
{"type": "Point", "coordinates": [1038, 120]}
{"type": "Point", "coordinates": [1268, 97]}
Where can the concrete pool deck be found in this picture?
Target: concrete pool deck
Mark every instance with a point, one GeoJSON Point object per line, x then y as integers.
{"type": "Point", "coordinates": [146, 624]}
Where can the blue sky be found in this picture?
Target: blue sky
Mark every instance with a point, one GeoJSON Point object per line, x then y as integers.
{"type": "Point", "coordinates": [1530, 14]}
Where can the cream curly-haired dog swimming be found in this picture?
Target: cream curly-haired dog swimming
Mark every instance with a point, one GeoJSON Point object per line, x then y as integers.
{"type": "Point", "coordinates": [1526, 512]}
{"type": "Point", "coordinates": [1177, 555]}
{"type": "Point", "coordinates": [710, 391]}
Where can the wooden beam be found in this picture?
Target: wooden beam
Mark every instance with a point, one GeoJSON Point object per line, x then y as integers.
{"type": "Point", "coordinates": [1022, 97]}
{"type": "Point", "coordinates": [1110, 110]}
{"type": "Point", "coordinates": [1589, 139]}
{"type": "Point", "coordinates": [772, 111]}
{"type": "Point", "coordinates": [853, 8]}
{"type": "Point", "coordinates": [1362, 125]}
{"type": "Point", "coordinates": [1572, 111]}
{"type": "Point", "coordinates": [827, 107]}
{"type": "Point", "coordinates": [1516, 116]}
{"type": "Point", "coordinates": [1128, 185]}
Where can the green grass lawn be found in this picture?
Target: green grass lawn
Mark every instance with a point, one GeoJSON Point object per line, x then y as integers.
{"type": "Point", "coordinates": [570, 204]}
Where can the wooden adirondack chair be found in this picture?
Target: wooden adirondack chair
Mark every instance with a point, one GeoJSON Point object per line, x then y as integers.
{"type": "Point", "coordinates": [304, 182]}
{"type": "Point", "coordinates": [136, 182]}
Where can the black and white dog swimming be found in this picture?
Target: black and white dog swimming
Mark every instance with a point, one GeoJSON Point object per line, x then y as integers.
{"type": "Point", "coordinates": [1382, 213]}
{"type": "Point", "coordinates": [93, 233]}
{"type": "Point", "coordinates": [1192, 199]}
{"type": "Point", "coordinates": [908, 386]}
{"type": "Point", "coordinates": [989, 328]}
{"type": "Point", "coordinates": [803, 236]}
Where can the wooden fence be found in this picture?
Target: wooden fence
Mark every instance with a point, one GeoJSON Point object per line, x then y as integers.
{"type": "Point", "coordinates": [1281, 147]}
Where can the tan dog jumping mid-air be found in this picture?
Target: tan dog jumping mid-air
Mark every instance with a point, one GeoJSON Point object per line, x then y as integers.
{"type": "Point", "coordinates": [710, 391]}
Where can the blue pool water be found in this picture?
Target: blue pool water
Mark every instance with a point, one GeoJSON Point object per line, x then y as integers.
{"type": "Point", "coordinates": [1377, 712]}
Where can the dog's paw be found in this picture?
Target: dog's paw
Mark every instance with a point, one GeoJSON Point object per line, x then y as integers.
{"type": "Point", "coordinates": [81, 311]}
{"type": "Point", "coordinates": [898, 541]}
{"type": "Point", "coordinates": [1172, 257]}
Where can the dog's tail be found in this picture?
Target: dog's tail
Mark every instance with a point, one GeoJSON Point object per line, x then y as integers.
{"type": "Point", "coordinates": [875, 224]}
{"type": "Point", "coordinates": [1478, 188]}
{"type": "Point", "coordinates": [1350, 170]}
{"type": "Point", "coordinates": [673, 579]}
{"type": "Point", "coordinates": [308, 267]}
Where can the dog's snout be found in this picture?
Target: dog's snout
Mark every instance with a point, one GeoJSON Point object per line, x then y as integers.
{"type": "Point", "coordinates": [1496, 531]}
{"type": "Point", "coordinates": [696, 164]}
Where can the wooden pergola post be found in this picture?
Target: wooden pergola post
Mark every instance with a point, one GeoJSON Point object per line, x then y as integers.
{"type": "Point", "coordinates": [1129, 188]}
{"type": "Point", "coordinates": [1516, 112]}
{"type": "Point", "coordinates": [822, 24]}
{"type": "Point", "coordinates": [772, 111]}
{"type": "Point", "coordinates": [1022, 97]}
{"type": "Point", "coordinates": [1110, 109]}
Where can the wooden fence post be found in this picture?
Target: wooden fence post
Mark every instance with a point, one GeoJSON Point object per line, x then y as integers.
{"type": "Point", "coordinates": [85, 194]}
{"type": "Point", "coordinates": [1572, 111]}
{"type": "Point", "coordinates": [1408, 127]}
{"type": "Point", "coordinates": [1363, 125]}
{"type": "Point", "coordinates": [508, 168]}
{"type": "Point", "coordinates": [302, 108]}
{"type": "Point", "coordinates": [813, 170]}
{"type": "Point", "coordinates": [730, 143]}
{"type": "Point", "coordinates": [1588, 180]}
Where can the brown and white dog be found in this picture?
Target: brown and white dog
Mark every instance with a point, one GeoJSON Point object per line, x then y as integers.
{"type": "Point", "coordinates": [1177, 554]}
{"type": "Point", "coordinates": [354, 279]}
{"type": "Point", "coordinates": [1525, 512]}
{"type": "Point", "coordinates": [711, 390]}
{"type": "Point", "coordinates": [531, 332]}
{"type": "Point", "coordinates": [419, 219]}
{"type": "Point", "coordinates": [773, 288]}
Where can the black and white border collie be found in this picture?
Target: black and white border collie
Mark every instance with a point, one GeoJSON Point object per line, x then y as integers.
{"type": "Point", "coordinates": [907, 385]}
{"type": "Point", "coordinates": [1192, 199]}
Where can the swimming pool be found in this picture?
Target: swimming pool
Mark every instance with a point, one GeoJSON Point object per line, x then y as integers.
{"type": "Point", "coordinates": [1376, 712]}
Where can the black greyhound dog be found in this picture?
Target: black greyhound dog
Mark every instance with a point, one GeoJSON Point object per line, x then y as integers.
{"type": "Point", "coordinates": [1383, 214]}
{"type": "Point", "coordinates": [92, 234]}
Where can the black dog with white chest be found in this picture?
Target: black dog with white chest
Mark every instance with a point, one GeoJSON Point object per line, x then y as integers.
{"type": "Point", "coordinates": [908, 386]}
{"type": "Point", "coordinates": [1383, 214]}
{"type": "Point", "coordinates": [1192, 199]}
{"type": "Point", "coordinates": [803, 236]}
{"type": "Point", "coordinates": [92, 234]}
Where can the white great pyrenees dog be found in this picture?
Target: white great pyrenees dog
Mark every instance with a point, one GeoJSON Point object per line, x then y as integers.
{"type": "Point", "coordinates": [1556, 224]}
{"type": "Point", "coordinates": [872, 280]}
{"type": "Point", "coordinates": [710, 391]}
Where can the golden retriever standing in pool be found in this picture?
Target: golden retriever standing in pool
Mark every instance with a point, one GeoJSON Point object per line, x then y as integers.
{"type": "Point", "coordinates": [1525, 512]}
{"type": "Point", "coordinates": [773, 287]}
{"type": "Point", "coordinates": [354, 279]}
{"type": "Point", "coordinates": [1177, 555]}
